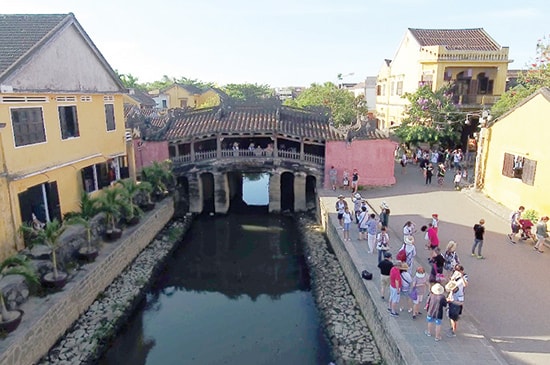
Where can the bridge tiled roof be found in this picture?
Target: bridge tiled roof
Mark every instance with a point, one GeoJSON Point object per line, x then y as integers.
{"type": "Point", "coordinates": [475, 39]}
{"type": "Point", "coordinates": [251, 119]}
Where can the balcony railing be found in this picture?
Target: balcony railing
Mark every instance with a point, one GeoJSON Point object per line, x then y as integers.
{"type": "Point", "coordinates": [247, 154]}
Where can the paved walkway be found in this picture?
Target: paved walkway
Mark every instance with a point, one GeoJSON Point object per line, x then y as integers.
{"type": "Point", "coordinates": [505, 320]}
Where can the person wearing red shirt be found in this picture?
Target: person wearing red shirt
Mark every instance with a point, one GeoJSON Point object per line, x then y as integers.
{"type": "Point", "coordinates": [395, 287]}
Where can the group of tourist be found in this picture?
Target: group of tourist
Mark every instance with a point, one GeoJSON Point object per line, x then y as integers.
{"type": "Point", "coordinates": [518, 225]}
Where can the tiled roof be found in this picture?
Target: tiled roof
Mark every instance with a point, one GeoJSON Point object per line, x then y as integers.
{"type": "Point", "coordinates": [20, 33]}
{"type": "Point", "coordinates": [159, 122]}
{"type": "Point", "coordinates": [141, 97]}
{"type": "Point", "coordinates": [475, 39]}
{"type": "Point", "coordinates": [247, 119]}
{"type": "Point", "coordinates": [367, 130]}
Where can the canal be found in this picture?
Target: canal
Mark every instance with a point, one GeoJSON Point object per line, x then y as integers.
{"type": "Point", "coordinates": [236, 291]}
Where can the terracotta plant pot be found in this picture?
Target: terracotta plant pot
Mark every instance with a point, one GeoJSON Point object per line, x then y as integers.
{"type": "Point", "coordinates": [12, 323]}
{"type": "Point", "coordinates": [49, 281]}
{"type": "Point", "coordinates": [87, 254]}
{"type": "Point", "coordinates": [147, 207]}
{"type": "Point", "coordinates": [113, 234]}
{"type": "Point", "coordinates": [132, 221]}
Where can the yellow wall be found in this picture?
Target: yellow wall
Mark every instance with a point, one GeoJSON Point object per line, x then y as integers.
{"type": "Point", "coordinates": [57, 159]}
{"type": "Point", "coordinates": [209, 97]}
{"type": "Point", "coordinates": [522, 132]}
{"type": "Point", "coordinates": [176, 94]}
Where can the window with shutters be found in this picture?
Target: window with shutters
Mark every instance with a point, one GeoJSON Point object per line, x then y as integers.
{"type": "Point", "coordinates": [68, 121]}
{"type": "Point", "coordinates": [519, 167]}
{"type": "Point", "coordinates": [110, 117]}
{"type": "Point", "coordinates": [28, 126]}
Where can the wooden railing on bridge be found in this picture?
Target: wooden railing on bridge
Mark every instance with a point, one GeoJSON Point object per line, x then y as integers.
{"type": "Point", "coordinates": [248, 154]}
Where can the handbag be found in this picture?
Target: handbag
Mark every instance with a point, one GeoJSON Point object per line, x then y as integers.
{"type": "Point", "coordinates": [439, 277]}
{"type": "Point", "coordinates": [413, 294]}
{"type": "Point", "coordinates": [366, 275]}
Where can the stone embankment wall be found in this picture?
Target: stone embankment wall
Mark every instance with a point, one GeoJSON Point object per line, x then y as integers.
{"type": "Point", "coordinates": [386, 333]}
{"type": "Point", "coordinates": [47, 319]}
{"type": "Point", "coordinates": [350, 339]}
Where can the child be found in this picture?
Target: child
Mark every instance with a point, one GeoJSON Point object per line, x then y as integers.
{"type": "Point", "coordinates": [458, 178]}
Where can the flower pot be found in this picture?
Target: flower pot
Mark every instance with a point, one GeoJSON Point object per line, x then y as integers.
{"type": "Point", "coordinates": [87, 254]}
{"type": "Point", "coordinates": [49, 281]}
{"type": "Point", "coordinates": [147, 207]}
{"type": "Point", "coordinates": [11, 323]}
{"type": "Point", "coordinates": [132, 221]}
{"type": "Point", "coordinates": [113, 234]}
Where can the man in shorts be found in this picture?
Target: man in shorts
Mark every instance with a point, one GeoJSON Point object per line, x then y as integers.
{"type": "Point", "coordinates": [385, 267]}
{"type": "Point", "coordinates": [333, 176]}
{"type": "Point", "coordinates": [395, 289]}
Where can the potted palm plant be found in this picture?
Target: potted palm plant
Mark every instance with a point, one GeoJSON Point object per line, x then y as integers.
{"type": "Point", "coordinates": [111, 202]}
{"type": "Point", "coordinates": [88, 209]}
{"type": "Point", "coordinates": [131, 210]}
{"type": "Point", "coordinates": [14, 265]}
{"type": "Point", "coordinates": [49, 235]}
{"type": "Point", "coordinates": [159, 175]}
{"type": "Point", "coordinates": [146, 188]}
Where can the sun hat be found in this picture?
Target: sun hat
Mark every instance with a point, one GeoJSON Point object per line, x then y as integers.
{"type": "Point", "coordinates": [437, 289]}
{"type": "Point", "coordinates": [340, 196]}
{"type": "Point", "coordinates": [404, 266]}
{"type": "Point", "coordinates": [435, 215]}
{"type": "Point", "coordinates": [384, 205]}
{"type": "Point", "coordinates": [357, 196]}
{"type": "Point", "coordinates": [409, 240]}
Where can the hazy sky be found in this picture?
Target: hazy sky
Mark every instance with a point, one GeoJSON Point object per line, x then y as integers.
{"type": "Point", "coordinates": [283, 42]}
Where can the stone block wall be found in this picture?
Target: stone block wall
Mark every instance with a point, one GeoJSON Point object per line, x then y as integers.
{"type": "Point", "coordinates": [388, 336]}
{"type": "Point", "coordinates": [47, 319]}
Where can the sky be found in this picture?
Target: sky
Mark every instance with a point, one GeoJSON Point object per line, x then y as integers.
{"type": "Point", "coordinates": [284, 42]}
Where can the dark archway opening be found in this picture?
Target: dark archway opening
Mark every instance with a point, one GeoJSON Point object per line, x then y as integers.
{"type": "Point", "coordinates": [311, 192]}
{"type": "Point", "coordinates": [207, 182]}
{"type": "Point", "coordinates": [287, 192]}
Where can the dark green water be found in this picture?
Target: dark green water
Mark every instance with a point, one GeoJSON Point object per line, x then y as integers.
{"type": "Point", "coordinates": [235, 292]}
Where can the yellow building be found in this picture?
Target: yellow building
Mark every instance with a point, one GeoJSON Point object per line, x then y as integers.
{"type": "Point", "coordinates": [515, 168]}
{"type": "Point", "coordinates": [189, 96]}
{"type": "Point", "coordinates": [468, 58]}
{"type": "Point", "coordinates": [61, 121]}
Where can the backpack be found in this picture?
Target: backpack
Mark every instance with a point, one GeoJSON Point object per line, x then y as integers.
{"type": "Point", "coordinates": [401, 255]}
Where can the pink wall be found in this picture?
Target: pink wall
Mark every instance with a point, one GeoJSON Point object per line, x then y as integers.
{"type": "Point", "coordinates": [373, 159]}
{"type": "Point", "coordinates": [148, 152]}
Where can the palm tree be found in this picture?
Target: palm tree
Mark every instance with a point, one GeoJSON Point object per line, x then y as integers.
{"type": "Point", "coordinates": [129, 191]}
{"type": "Point", "coordinates": [49, 236]}
{"type": "Point", "coordinates": [14, 265]}
{"type": "Point", "coordinates": [88, 209]}
{"type": "Point", "coordinates": [159, 175]}
{"type": "Point", "coordinates": [111, 202]}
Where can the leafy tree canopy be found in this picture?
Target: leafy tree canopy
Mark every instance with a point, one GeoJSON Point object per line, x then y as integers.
{"type": "Point", "coordinates": [536, 76]}
{"type": "Point", "coordinates": [248, 92]}
{"type": "Point", "coordinates": [343, 106]}
{"type": "Point", "coordinates": [431, 117]}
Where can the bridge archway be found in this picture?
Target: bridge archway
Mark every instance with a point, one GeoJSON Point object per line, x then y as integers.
{"type": "Point", "coordinates": [208, 198]}
{"type": "Point", "coordinates": [287, 191]}
{"type": "Point", "coordinates": [311, 192]}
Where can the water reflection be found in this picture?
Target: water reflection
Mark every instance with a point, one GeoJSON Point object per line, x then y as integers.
{"type": "Point", "coordinates": [235, 292]}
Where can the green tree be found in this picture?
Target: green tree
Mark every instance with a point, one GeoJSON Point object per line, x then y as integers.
{"type": "Point", "coordinates": [536, 76]}
{"type": "Point", "coordinates": [430, 117]}
{"type": "Point", "coordinates": [341, 103]}
{"type": "Point", "coordinates": [248, 92]}
{"type": "Point", "coordinates": [166, 81]}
